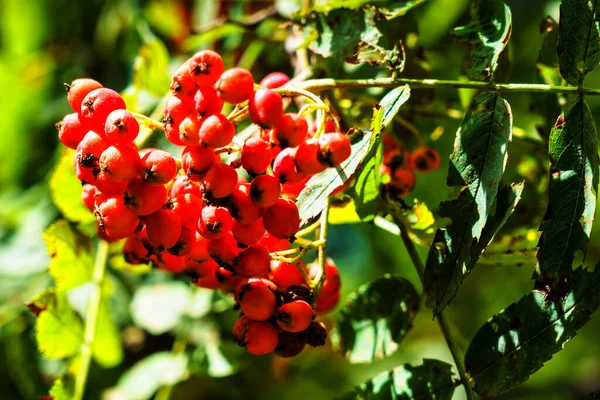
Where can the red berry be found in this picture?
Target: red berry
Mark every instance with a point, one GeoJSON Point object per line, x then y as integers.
{"type": "Point", "coordinates": [236, 85]}
{"type": "Point", "coordinates": [143, 198]}
{"type": "Point", "coordinates": [403, 181]}
{"type": "Point", "coordinates": [252, 261]}
{"type": "Point", "coordinates": [85, 175]}
{"type": "Point", "coordinates": [256, 156]}
{"type": "Point", "coordinates": [189, 209]}
{"type": "Point", "coordinates": [257, 298]}
{"type": "Point", "coordinates": [332, 283]}
{"type": "Point", "coordinates": [206, 66]}
{"type": "Point", "coordinates": [285, 274]}
{"type": "Point", "coordinates": [89, 149]}
{"type": "Point", "coordinates": [241, 207]}
{"type": "Point", "coordinates": [121, 162]}
{"type": "Point", "coordinates": [214, 222]}
{"type": "Point", "coordinates": [182, 185]}
{"type": "Point", "coordinates": [88, 196]}
{"type": "Point", "coordinates": [163, 228]}
{"type": "Point", "coordinates": [223, 250]}
{"type": "Point", "coordinates": [197, 160]}
{"type": "Point", "coordinates": [282, 219]}
{"type": "Point", "coordinates": [121, 127]}
{"type": "Point", "coordinates": [274, 244]}
{"type": "Point", "coordinates": [248, 234]}
{"type": "Point", "coordinates": [71, 130]}
{"type": "Point", "coordinates": [182, 82]}
{"type": "Point", "coordinates": [292, 191]}
{"type": "Point", "coordinates": [77, 91]}
{"type": "Point", "coordinates": [216, 131]}
{"type": "Point", "coordinates": [157, 167]}
{"type": "Point", "coordinates": [185, 242]}
{"type": "Point", "coordinates": [266, 108]}
{"type": "Point", "coordinates": [171, 263]}
{"type": "Point", "coordinates": [113, 216]}
{"type": "Point", "coordinates": [175, 112]}
{"type": "Point", "coordinates": [188, 130]}
{"type": "Point", "coordinates": [397, 158]}
{"type": "Point", "coordinates": [198, 250]}
{"type": "Point", "coordinates": [291, 130]}
{"type": "Point", "coordinates": [274, 80]}
{"type": "Point", "coordinates": [260, 338]}
{"type": "Point", "coordinates": [135, 252]}
{"type": "Point", "coordinates": [265, 190]}
{"type": "Point", "coordinates": [325, 304]}
{"type": "Point", "coordinates": [207, 102]}
{"type": "Point", "coordinates": [98, 104]}
{"type": "Point", "coordinates": [425, 159]}
{"type": "Point", "coordinates": [284, 167]}
{"type": "Point", "coordinates": [205, 275]}
{"type": "Point", "coordinates": [220, 181]}
{"type": "Point", "coordinates": [107, 185]}
{"type": "Point", "coordinates": [295, 316]}
{"type": "Point", "coordinates": [334, 148]}
{"type": "Point", "coordinates": [289, 344]}
{"type": "Point", "coordinates": [307, 157]}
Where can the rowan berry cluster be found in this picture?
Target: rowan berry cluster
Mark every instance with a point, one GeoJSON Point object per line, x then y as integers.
{"type": "Point", "coordinates": [197, 215]}
{"type": "Point", "coordinates": [400, 165]}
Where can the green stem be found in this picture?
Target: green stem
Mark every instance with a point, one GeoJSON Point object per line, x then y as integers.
{"type": "Point", "coordinates": [327, 84]}
{"type": "Point", "coordinates": [322, 255]}
{"type": "Point", "coordinates": [92, 319]}
{"type": "Point", "coordinates": [179, 346]}
{"type": "Point", "coordinates": [443, 322]}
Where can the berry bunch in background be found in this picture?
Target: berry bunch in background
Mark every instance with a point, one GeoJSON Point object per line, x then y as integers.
{"type": "Point", "coordinates": [194, 213]}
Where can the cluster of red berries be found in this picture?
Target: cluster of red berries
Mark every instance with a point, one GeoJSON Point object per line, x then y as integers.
{"type": "Point", "coordinates": [400, 165]}
{"type": "Point", "coordinates": [198, 216]}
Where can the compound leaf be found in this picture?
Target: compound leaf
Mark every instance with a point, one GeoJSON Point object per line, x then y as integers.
{"type": "Point", "coordinates": [518, 341]}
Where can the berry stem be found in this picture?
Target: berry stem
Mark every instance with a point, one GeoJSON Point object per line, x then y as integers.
{"type": "Point", "coordinates": [317, 283]}
{"type": "Point", "coordinates": [442, 321]}
{"type": "Point", "coordinates": [148, 122]}
{"type": "Point", "coordinates": [92, 319]}
{"type": "Point", "coordinates": [308, 229]}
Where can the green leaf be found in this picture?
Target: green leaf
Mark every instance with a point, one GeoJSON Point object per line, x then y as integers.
{"type": "Point", "coordinates": [150, 68]}
{"type": "Point", "coordinates": [65, 190]}
{"type": "Point", "coordinates": [389, 9]}
{"type": "Point", "coordinates": [478, 162]}
{"type": "Point", "coordinates": [343, 214]}
{"type": "Point", "coordinates": [148, 375]}
{"type": "Point", "coordinates": [488, 32]}
{"type": "Point", "coordinates": [518, 341]}
{"type": "Point", "coordinates": [58, 331]}
{"type": "Point", "coordinates": [573, 188]}
{"type": "Point", "coordinates": [58, 391]}
{"type": "Point", "coordinates": [392, 102]}
{"type": "Point", "coordinates": [71, 263]}
{"type": "Point", "coordinates": [107, 349]}
{"type": "Point", "coordinates": [578, 39]}
{"type": "Point", "coordinates": [431, 380]}
{"type": "Point", "coordinates": [313, 198]}
{"type": "Point", "coordinates": [376, 319]}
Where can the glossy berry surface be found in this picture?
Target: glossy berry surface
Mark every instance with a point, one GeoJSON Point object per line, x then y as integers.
{"type": "Point", "coordinates": [282, 219]}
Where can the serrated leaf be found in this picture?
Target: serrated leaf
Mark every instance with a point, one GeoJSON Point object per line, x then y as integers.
{"type": "Point", "coordinates": [430, 380]}
{"type": "Point", "coordinates": [65, 190]}
{"type": "Point", "coordinates": [58, 391]}
{"type": "Point", "coordinates": [376, 318]}
{"type": "Point", "coordinates": [578, 39]}
{"type": "Point", "coordinates": [71, 263]}
{"type": "Point", "coordinates": [58, 331]}
{"type": "Point", "coordinates": [478, 162]}
{"type": "Point", "coordinates": [518, 341]}
{"type": "Point", "coordinates": [573, 191]}
{"type": "Point", "coordinates": [313, 198]}
{"type": "Point", "coordinates": [488, 32]}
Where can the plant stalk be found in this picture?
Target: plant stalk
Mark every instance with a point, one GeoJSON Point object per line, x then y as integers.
{"type": "Point", "coordinates": [91, 319]}
{"type": "Point", "coordinates": [317, 283]}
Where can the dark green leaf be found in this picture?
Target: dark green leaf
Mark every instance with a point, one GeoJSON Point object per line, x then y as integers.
{"type": "Point", "coordinates": [392, 102]}
{"type": "Point", "coordinates": [488, 32]}
{"type": "Point", "coordinates": [376, 319]}
{"type": "Point", "coordinates": [578, 39]}
{"type": "Point", "coordinates": [389, 9]}
{"type": "Point", "coordinates": [478, 162]}
{"type": "Point", "coordinates": [517, 342]}
{"type": "Point", "coordinates": [431, 380]}
{"type": "Point", "coordinates": [573, 188]}
{"type": "Point", "coordinates": [313, 198]}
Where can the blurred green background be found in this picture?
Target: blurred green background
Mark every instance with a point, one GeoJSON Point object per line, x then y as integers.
{"type": "Point", "coordinates": [133, 46]}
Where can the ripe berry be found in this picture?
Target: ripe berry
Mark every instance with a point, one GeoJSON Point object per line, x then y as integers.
{"type": "Point", "coordinates": [85, 175]}
{"type": "Point", "coordinates": [216, 131]}
{"type": "Point", "coordinates": [220, 181]}
{"type": "Point", "coordinates": [214, 222]}
{"type": "Point", "coordinates": [135, 252]}
{"type": "Point", "coordinates": [315, 335]}
{"type": "Point", "coordinates": [121, 162]}
{"type": "Point", "coordinates": [204, 275]}
{"type": "Point", "coordinates": [403, 181]}
{"type": "Point", "coordinates": [175, 112]}
{"type": "Point", "coordinates": [397, 158]}
{"type": "Point", "coordinates": [89, 149]}
{"type": "Point", "coordinates": [260, 338]}
{"type": "Point", "coordinates": [198, 250]}
{"type": "Point", "coordinates": [332, 283]}
{"type": "Point", "coordinates": [274, 244]}
{"type": "Point", "coordinates": [121, 127]}
{"type": "Point", "coordinates": [185, 242]}
{"type": "Point", "coordinates": [248, 234]}
{"type": "Point", "coordinates": [274, 80]}
{"type": "Point", "coordinates": [206, 66]}
{"type": "Point", "coordinates": [334, 149]}
{"type": "Point", "coordinates": [188, 130]}
{"type": "Point", "coordinates": [252, 261]}
{"type": "Point", "coordinates": [163, 228]}
{"type": "Point", "coordinates": [188, 207]}
{"type": "Point", "coordinates": [98, 104]}
{"type": "Point", "coordinates": [241, 207]}
{"type": "Point", "coordinates": [197, 160]}
{"type": "Point", "coordinates": [285, 274]}
{"type": "Point", "coordinates": [223, 250]}
{"type": "Point", "coordinates": [257, 298]}
{"type": "Point", "coordinates": [113, 216]}
{"type": "Point", "coordinates": [171, 263]}
{"type": "Point", "coordinates": [157, 166]}
{"type": "Point", "coordinates": [77, 91]}
{"type": "Point", "coordinates": [107, 185]}
{"type": "Point", "coordinates": [256, 156]}
{"type": "Point", "coordinates": [293, 191]}
{"type": "Point", "coordinates": [235, 86]}
{"type": "Point", "coordinates": [266, 108]}
{"type": "Point", "coordinates": [282, 219]}
{"type": "Point", "coordinates": [289, 345]}
{"type": "Point", "coordinates": [207, 102]}
{"type": "Point", "coordinates": [307, 157]}
{"type": "Point", "coordinates": [295, 316]}
{"type": "Point", "coordinates": [71, 130]}
{"type": "Point", "coordinates": [325, 304]}
{"type": "Point", "coordinates": [425, 159]}
{"type": "Point", "coordinates": [182, 82]}
{"type": "Point", "coordinates": [142, 198]}
{"type": "Point", "coordinates": [284, 167]}
{"type": "Point", "coordinates": [183, 184]}
{"type": "Point", "coordinates": [291, 130]}
{"type": "Point", "coordinates": [265, 190]}
{"type": "Point", "coordinates": [88, 196]}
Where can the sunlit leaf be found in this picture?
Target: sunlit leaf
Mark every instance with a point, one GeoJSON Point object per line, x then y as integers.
{"type": "Point", "coordinates": [392, 102]}
{"type": "Point", "coordinates": [389, 9]}
{"type": "Point", "coordinates": [150, 68]}
{"type": "Point", "coordinates": [376, 318]}
{"type": "Point", "coordinates": [518, 341]}
{"type": "Point", "coordinates": [573, 191]}
{"type": "Point", "coordinates": [488, 32]}
{"type": "Point", "coordinates": [578, 39]}
{"type": "Point", "coordinates": [430, 380]}
{"type": "Point", "coordinates": [344, 214]}
{"type": "Point", "coordinates": [58, 391]}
